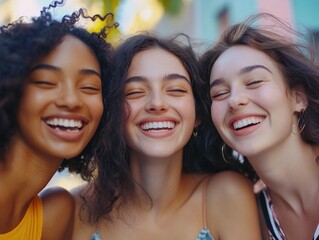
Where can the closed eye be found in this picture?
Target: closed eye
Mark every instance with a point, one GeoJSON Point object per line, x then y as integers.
{"type": "Point", "coordinates": [255, 82]}
{"type": "Point", "coordinates": [90, 89]}
{"type": "Point", "coordinates": [43, 84]}
{"type": "Point", "coordinates": [177, 92]}
{"type": "Point", "coordinates": [134, 94]}
{"type": "Point", "coordinates": [220, 95]}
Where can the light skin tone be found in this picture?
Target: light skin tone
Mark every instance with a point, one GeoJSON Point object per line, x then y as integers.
{"type": "Point", "coordinates": [256, 114]}
{"type": "Point", "coordinates": [59, 113]}
{"type": "Point", "coordinates": [162, 118]}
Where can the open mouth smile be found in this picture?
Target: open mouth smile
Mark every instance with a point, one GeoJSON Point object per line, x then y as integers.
{"type": "Point", "coordinates": [246, 122]}
{"type": "Point", "coordinates": [62, 124]}
{"type": "Point", "coordinates": [157, 126]}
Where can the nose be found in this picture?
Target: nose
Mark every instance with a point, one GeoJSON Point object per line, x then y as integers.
{"type": "Point", "coordinates": [69, 97]}
{"type": "Point", "coordinates": [237, 99]}
{"type": "Point", "coordinates": [156, 103]}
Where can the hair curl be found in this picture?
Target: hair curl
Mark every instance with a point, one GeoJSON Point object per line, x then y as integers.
{"type": "Point", "coordinates": [24, 42]}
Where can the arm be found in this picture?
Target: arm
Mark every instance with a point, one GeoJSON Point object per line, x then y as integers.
{"type": "Point", "coordinates": [231, 207]}
{"type": "Point", "coordinates": [58, 211]}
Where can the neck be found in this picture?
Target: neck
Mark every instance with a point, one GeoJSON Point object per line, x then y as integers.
{"type": "Point", "coordinates": [26, 172]}
{"type": "Point", "coordinates": [160, 178]}
{"type": "Point", "coordinates": [292, 176]}
{"type": "Point", "coordinates": [22, 176]}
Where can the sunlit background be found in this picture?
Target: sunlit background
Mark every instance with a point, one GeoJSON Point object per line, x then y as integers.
{"type": "Point", "coordinates": [202, 20]}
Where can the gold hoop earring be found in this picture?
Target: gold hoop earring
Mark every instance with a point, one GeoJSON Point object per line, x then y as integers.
{"type": "Point", "coordinates": [223, 154]}
{"type": "Point", "coordinates": [301, 122]}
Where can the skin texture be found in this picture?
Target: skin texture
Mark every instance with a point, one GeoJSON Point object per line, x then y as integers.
{"type": "Point", "coordinates": [254, 89]}
{"type": "Point", "coordinates": [71, 80]}
{"type": "Point", "coordinates": [157, 89]}
{"type": "Point", "coordinates": [153, 99]}
{"type": "Point", "coordinates": [65, 84]}
{"type": "Point", "coordinates": [240, 94]}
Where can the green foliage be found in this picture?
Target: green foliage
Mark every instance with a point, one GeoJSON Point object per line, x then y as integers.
{"type": "Point", "coordinates": [172, 7]}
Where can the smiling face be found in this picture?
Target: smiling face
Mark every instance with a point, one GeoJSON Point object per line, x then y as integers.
{"type": "Point", "coordinates": [161, 102]}
{"type": "Point", "coordinates": [62, 104]}
{"type": "Point", "coordinates": [251, 107]}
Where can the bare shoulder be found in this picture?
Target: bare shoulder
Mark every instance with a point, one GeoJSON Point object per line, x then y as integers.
{"type": "Point", "coordinates": [230, 183]}
{"type": "Point", "coordinates": [229, 189]}
{"type": "Point", "coordinates": [82, 229]}
{"type": "Point", "coordinates": [58, 207]}
{"type": "Point", "coordinates": [230, 201]}
{"type": "Point", "coordinates": [78, 191]}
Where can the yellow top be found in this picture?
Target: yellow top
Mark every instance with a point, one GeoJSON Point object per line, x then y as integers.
{"type": "Point", "coordinates": [30, 228]}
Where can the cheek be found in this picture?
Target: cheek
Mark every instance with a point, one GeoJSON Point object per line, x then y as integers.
{"type": "Point", "coordinates": [217, 113]}
{"type": "Point", "coordinates": [131, 110]}
{"type": "Point", "coordinates": [99, 111]}
{"type": "Point", "coordinates": [96, 108]}
{"type": "Point", "coordinates": [190, 110]}
{"type": "Point", "coordinates": [33, 98]}
{"type": "Point", "coordinates": [31, 104]}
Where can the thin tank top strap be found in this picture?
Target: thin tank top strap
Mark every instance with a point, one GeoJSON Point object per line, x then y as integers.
{"type": "Point", "coordinates": [204, 202]}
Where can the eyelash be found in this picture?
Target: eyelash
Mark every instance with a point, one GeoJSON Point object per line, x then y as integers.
{"type": "Point", "coordinates": [219, 94]}
{"type": "Point", "coordinates": [90, 90]}
{"type": "Point", "coordinates": [39, 82]}
{"type": "Point", "coordinates": [130, 93]}
{"type": "Point", "coordinates": [177, 90]}
{"type": "Point", "coordinates": [255, 81]}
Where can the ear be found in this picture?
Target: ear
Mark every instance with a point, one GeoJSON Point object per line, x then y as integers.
{"type": "Point", "coordinates": [300, 99]}
{"type": "Point", "coordinates": [197, 123]}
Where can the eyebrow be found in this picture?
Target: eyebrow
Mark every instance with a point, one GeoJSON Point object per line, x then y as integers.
{"type": "Point", "coordinates": [54, 68]}
{"type": "Point", "coordinates": [242, 71]}
{"type": "Point", "coordinates": [217, 81]}
{"type": "Point", "coordinates": [171, 76]}
{"type": "Point", "coordinates": [176, 76]}
{"type": "Point", "coordinates": [251, 68]}
{"type": "Point", "coordinates": [45, 67]}
{"type": "Point", "coordinates": [135, 79]}
{"type": "Point", "coordinates": [90, 72]}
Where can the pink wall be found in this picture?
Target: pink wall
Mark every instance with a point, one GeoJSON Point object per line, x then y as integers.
{"type": "Point", "coordinates": [279, 8]}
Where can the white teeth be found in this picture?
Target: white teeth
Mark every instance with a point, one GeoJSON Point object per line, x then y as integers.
{"type": "Point", "coordinates": [67, 123]}
{"type": "Point", "coordinates": [157, 125]}
{"type": "Point", "coordinates": [245, 122]}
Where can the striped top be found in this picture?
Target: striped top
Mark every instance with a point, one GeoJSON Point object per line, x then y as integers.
{"type": "Point", "coordinates": [274, 229]}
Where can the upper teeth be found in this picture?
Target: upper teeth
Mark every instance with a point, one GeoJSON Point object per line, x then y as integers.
{"type": "Point", "coordinates": [157, 125]}
{"type": "Point", "coordinates": [64, 122]}
{"type": "Point", "coordinates": [247, 121]}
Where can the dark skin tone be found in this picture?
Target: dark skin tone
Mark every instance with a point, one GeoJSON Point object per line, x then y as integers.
{"type": "Point", "coordinates": [62, 100]}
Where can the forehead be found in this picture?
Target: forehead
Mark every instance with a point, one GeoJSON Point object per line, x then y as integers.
{"type": "Point", "coordinates": [239, 57]}
{"type": "Point", "coordinates": [72, 52]}
{"type": "Point", "coordinates": [156, 61]}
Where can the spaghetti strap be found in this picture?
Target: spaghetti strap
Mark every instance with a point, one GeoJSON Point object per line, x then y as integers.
{"type": "Point", "coordinates": [204, 202]}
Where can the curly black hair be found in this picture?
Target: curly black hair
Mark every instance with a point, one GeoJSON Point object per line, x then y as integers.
{"type": "Point", "coordinates": [24, 42]}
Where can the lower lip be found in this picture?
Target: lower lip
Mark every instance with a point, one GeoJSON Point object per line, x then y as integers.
{"type": "Point", "coordinates": [245, 131]}
{"type": "Point", "coordinates": [70, 136]}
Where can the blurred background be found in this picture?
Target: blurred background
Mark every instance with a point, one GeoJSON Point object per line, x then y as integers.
{"type": "Point", "coordinates": [202, 20]}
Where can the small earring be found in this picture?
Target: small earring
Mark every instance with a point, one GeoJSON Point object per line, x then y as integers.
{"type": "Point", "coordinates": [223, 154]}
{"type": "Point", "coordinates": [195, 132]}
{"type": "Point", "coordinates": [301, 122]}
